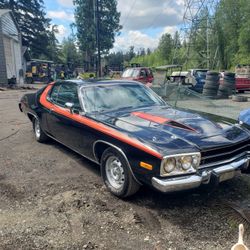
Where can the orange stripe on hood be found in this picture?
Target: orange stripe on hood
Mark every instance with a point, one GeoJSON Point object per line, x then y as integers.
{"type": "Point", "coordinates": [151, 118]}
{"type": "Point", "coordinates": [96, 125]}
{"type": "Point", "coordinates": [162, 120]}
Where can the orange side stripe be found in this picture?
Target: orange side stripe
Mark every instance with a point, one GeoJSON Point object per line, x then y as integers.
{"type": "Point", "coordinates": [96, 125]}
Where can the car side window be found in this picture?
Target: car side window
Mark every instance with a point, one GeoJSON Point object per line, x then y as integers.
{"type": "Point", "coordinates": [65, 92]}
{"type": "Point", "coordinates": [68, 93]}
{"type": "Point", "coordinates": [54, 93]}
{"type": "Point", "coordinates": [143, 73]}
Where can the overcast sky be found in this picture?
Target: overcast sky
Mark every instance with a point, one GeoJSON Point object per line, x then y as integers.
{"type": "Point", "coordinates": [143, 21]}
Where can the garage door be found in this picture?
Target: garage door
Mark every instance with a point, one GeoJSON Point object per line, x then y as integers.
{"type": "Point", "coordinates": [9, 57]}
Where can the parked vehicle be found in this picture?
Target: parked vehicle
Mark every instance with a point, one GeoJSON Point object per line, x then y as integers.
{"type": "Point", "coordinates": [140, 74]}
{"type": "Point", "coordinates": [244, 118]}
{"type": "Point", "coordinates": [39, 71]}
{"type": "Point", "coordinates": [136, 137]}
{"type": "Point", "coordinates": [242, 78]}
{"type": "Point", "coordinates": [166, 79]}
{"type": "Point", "coordinates": [179, 77]}
{"type": "Point", "coordinates": [196, 77]}
{"type": "Point", "coordinates": [167, 74]}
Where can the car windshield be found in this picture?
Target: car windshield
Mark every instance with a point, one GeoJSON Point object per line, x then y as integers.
{"type": "Point", "coordinates": [101, 98]}
{"type": "Point", "coordinates": [130, 73]}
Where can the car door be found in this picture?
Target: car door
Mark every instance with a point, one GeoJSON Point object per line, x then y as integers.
{"type": "Point", "coordinates": [64, 128]}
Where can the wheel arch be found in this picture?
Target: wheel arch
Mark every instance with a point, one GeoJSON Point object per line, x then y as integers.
{"type": "Point", "coordinates": [100, 146]}
{"type": "Point", "coordinates": [31, 116]}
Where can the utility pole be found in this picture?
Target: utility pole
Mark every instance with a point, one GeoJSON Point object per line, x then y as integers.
{"type": "Point", "coordinates": [193, 20]}
{"type": "Point", "coordinates": [97, 16]}
{"type": "Point", "coordinates": [207, 41]}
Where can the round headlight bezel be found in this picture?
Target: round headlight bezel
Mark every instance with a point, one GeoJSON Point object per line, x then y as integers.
{"type": "Point", "coordinates": [196, 161]}
{"type": "Point", "coordinates": [186, 162]}
{"type": "Point", "coordinates": [167, 165]}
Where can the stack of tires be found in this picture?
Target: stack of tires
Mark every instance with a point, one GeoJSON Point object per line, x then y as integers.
{"type": "Point", "coordinates": [227, 87]}
{"type": "Point", "coordinates": [211, 85]}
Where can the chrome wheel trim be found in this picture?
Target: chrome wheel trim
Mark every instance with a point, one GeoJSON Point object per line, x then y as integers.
{"type": "Point", "coordinates": [37, 129]}
{"type": "Point", "coordinates": [115, 172]}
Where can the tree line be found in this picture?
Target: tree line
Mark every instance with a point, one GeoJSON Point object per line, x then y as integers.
{"type": "Point", "coordinates": [229, 36]}
{"type": "Point", "coordinates": [229, 40]}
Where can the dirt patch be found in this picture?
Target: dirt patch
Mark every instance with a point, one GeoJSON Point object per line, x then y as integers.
{"type": "Point", "coordinates": [51, 198]}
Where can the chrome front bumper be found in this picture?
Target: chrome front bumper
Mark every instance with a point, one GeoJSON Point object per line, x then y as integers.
{"type": "Point", "coordinates": [220, 173]}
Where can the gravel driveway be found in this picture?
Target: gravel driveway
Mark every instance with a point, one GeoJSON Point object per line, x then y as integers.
{"type": "Point", "coordinates": [52, 198]}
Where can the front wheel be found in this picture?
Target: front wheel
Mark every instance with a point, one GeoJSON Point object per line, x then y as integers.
{"type": "Point", "coordinates": [117, 175]}
{"type": "Point", "coordinates": [39, 134]}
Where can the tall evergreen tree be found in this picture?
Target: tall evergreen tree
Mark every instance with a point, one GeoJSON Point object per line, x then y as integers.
{"type": "Point", "coordinates": [86, 25]}
{"type": "Point", "coordinates": [165, 47]}
{"type": "Point", "coordinates": [30, 16]}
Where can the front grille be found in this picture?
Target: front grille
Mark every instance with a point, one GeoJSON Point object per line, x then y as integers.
{"type": "Point", "coordinates": [224, 153]}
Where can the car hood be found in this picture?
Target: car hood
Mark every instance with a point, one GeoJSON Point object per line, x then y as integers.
{"type": "Point", "coordinates": [167, 129]}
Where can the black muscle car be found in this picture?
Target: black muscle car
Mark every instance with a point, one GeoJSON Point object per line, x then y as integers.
{"type": "Point", "coordinates": [136, 137]}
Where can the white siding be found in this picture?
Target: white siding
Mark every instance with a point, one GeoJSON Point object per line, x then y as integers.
{"type": "Point", "coordinates": [9, 57]}
{"type": "Point", "coordinates": [18, 61]}
{"type": "Point", "coordinates": [9, 26]}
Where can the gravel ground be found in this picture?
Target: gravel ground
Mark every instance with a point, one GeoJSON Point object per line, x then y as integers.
{"type": "Point", "coordinates": [51, 198]}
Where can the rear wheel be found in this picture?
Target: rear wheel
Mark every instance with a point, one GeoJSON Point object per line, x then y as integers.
{"type": "Point", "coordinates": [117, 175]}
{"type": "Point", "coordinates": [39, 134]}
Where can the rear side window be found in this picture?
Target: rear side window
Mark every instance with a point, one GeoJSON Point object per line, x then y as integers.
{"type": "Point", "coordinates": [143, 73]}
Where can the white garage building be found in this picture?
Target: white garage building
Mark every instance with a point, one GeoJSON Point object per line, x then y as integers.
{"type": "Point", "coordinates": [10, 49]}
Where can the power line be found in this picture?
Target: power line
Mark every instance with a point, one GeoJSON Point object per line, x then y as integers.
{"type": "Point", "coordinates": [129, 13]}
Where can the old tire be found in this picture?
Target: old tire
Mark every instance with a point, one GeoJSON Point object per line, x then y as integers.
{"type": "Point", "coordinates": [229, 74]}
{"type": "Point", "coordinates": [238, 98]}
{"type": "Point", "coordinates": [39, 134]}
{"type": "Point", "coordinates": [211, 85]}
{"type": "Point", "coordinates": [212, 73]}
{"type": "Point", "coordinates": [212, 78]}
{"type": "Point", "coordinates": [241, 91]}
{"type": "Point", "coordinates": [117, 175]}
{"type": "Point", "coordinates": [209, 93]}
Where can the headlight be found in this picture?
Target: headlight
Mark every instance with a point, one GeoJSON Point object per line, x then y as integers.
{"type": "Point", "coordinates": [186, 162]}
{"type": "Point", "coordinates": [169, 165]}
{"type": "Point", "coordinates": [180, 164]}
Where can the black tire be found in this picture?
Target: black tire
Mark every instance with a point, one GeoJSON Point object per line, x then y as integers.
{"type": "Point", "coordinates": [229, 74]}
{"type": "Point", "coordinates": [211, 85]}
{"type": "Point", "coordinates": [129, 185]}
{"type": "Point", "coordinates": [238, 98]}
{"type": "Point", "coordinates": [29, 80]}
{"type": "Point", "coordinates": [241, 91]}
{"type": "Point", "coordinates": [39, 134]}
{"type": "Point", "coordinates": [209, 93]}
{"type": "Point", "coordinates": [222, 95]}
{"type": "Point", "coordinates": [212, 73]}
{"type": "Point", "coordinates": [212, 78]}
{"type": "Point", "coordinates": [229, 86]}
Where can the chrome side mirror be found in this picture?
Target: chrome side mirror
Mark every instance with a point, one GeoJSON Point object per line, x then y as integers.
{"type": "Point", "coordinates": [69, 105]}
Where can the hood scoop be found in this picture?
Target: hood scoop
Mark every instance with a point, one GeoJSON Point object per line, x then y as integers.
{"type": "Point", "coordinates": [163, 121]}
